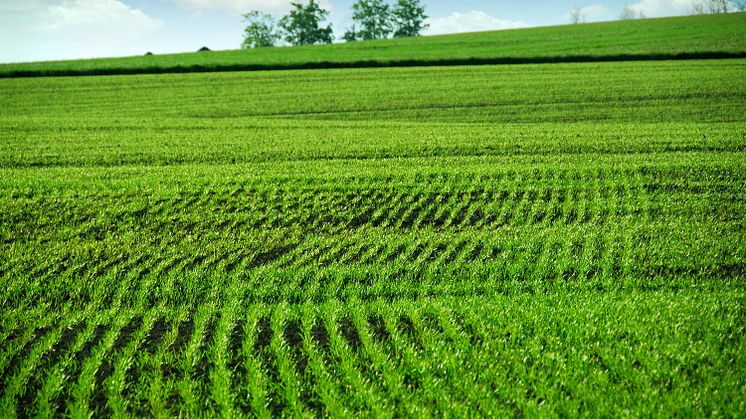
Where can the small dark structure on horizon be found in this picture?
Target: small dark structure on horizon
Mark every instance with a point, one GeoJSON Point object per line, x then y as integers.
{"type": "Point", "coordinates": [204, 49]}
{"type": "Point", "coordinates": [148, 53]}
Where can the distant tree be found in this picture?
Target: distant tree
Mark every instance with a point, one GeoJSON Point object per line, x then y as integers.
{"type": "Point", "coordinates": [698, 9]}
{"type": "Point", "coordinates": [740, 5]}
{"type": "Point", "coordinates": [577, 16]}
{"type": "Point", "coordinates": [303, 25]}
{"type": "Point", "coordinates": [629, 13]}
{"type": "Point", "coordinates": [409, 17]}
{"type": "Point", "coordinates": [351, 35]}
{"type": "Point", "coordinates": [373, 18]}
{"type": "Point", "coordinates": [718, 6]}
{"type": "Point", "coordinates": [713, 7]}
{"type": "Point", "coordinates": [261, 30]}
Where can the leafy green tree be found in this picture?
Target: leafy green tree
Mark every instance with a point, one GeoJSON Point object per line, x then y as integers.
{"type": "Point", "coordinates": [302, 26]}
{"type": "Point", "coordinates": [261, 30]}
{"type": "Point", "coordinates": [374, 19]}
{"type": "Point", "coordinates": [409, 16]}
{"type": "Point", "coordinates": [351, 35]}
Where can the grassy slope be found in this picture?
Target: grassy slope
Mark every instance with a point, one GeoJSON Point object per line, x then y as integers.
{"type": "Point", "coordinates": [544, 240]}
{"type": "Point", "coordinates": [650, 38]}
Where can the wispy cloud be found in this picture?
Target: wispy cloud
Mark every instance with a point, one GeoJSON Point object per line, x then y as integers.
{"type": "Point", "coordinates": [53, 29]}
{"type": "Point", "coordinates": [659, 8]}
{"type": "Point", "coordinates": [97, 15]}
{"type": "Point", "coordinates": [591, 12]}
{"type": "Point", "coordinates": [242, 6]}
{"type": "Point", "coordinates": [473, 21]}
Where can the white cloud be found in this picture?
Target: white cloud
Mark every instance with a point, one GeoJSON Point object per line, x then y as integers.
{"type": "Point", "coordinates": [593, 12]}
{"type": "Point", "coordinates": [97, 15]}
{"type": "Point", "coordinates": [11, 6]}
{"type": "Point", "coordinates": [660, 8]}
{"type": "Point", "coordinates": [474, 21]}
{"type": "Point", "coordinates": [242, 6]}
{"type": "Point", "coordinates": [57, 29]}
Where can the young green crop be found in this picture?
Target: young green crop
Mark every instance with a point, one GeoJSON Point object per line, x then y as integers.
{"type": "Point", "coordinates": [539, 240]}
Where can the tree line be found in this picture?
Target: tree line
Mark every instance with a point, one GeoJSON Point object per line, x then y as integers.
{"type": "Point", "coordinates": [305, 23]}
{"type": "Point", "coordinates": [699, 8]}
{"type": "Point", "coordinates": [718, 6]}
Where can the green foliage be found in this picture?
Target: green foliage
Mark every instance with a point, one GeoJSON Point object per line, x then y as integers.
{"type": "Point", "coordinates": [373, 18]}
{"type": "Point", "coordinates": [260, 31]}
{"type": "Point", "coordinates": [409, 16]}
{"type": "Point", "coordinates": [303, 25]}
{"type": "Point", "coordinates": [351, 35]}
{"type": "Point", "coordinates": [714, 35]}
{"type": "Point", "coordinates": [548, 354]}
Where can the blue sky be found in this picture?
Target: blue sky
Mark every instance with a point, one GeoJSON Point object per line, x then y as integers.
{"type": "Point", "coordinates": [36, 30]}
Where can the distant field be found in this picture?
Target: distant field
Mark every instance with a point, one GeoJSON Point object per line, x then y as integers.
{"type": "Point", "coordinates": [709, 36]}
{"type": "Point", "coordinates": [563, 239]}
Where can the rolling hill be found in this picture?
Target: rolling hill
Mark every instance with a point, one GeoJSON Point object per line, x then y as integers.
{"type": "Point", "coordinates": [707, 36]}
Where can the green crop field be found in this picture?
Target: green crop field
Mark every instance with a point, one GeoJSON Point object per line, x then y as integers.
{"type": "Point", "coordinates": [541, 240]}
{"type": "Point", "coordinates": [711, 36]}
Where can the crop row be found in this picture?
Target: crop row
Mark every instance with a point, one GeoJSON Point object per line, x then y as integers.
{"type": "Point", "coordinates": [541, 197]}
{"type": "Point", "coordinates": [324, 210]}
{"type": "Point", "coordinates": [388, 359]}
{"type": "Point", "coordinates": [598, 201]}
{"type": "Point", "coordinates": [132, 269]}
{"type": "Point", "coordinates": [636, 92]}
{"type": "Point", "coordinates": [64, 143]}
{"type": "Point", "coordinates": [160, 234]}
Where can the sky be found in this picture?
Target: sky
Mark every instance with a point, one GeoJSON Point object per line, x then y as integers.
{"type": "Point", "coordinates": [42, 30]}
